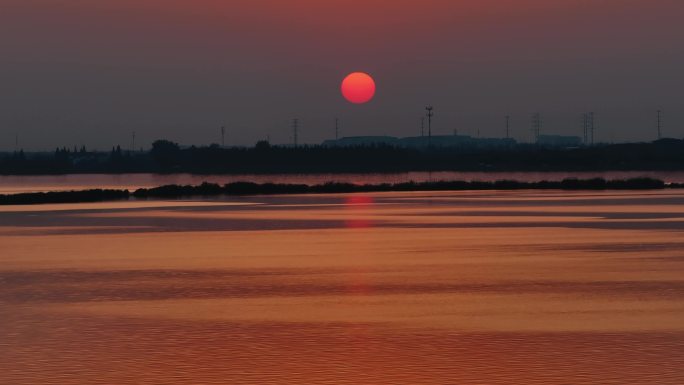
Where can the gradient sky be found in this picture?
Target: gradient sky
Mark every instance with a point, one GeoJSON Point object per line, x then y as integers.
{"type": "Point", "coordinates": [90, 72]}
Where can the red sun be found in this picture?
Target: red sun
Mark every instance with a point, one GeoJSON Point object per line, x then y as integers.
{"type": "Point", "coordinates": [358, 88]}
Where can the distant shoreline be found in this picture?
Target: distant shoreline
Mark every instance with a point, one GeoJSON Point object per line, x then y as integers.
{"type": "Point", "coordinates": [248, 188]}
{"type": "Point", "coordinates": [166, 157]}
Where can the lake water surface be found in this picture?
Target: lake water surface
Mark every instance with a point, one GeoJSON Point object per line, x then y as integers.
{"type": "Point", "coordinates": [518, 287]}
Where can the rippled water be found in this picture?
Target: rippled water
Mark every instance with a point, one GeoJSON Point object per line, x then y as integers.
{"type": "Point", "coordinates": [395, 288]}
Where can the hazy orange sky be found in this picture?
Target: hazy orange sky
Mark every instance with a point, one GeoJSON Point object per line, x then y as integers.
{"type": "Point", "coordinates": [90, 72]}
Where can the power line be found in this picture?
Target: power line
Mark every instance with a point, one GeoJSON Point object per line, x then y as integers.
{"type": "Point", "coordinates": [508, 126]}
{"type": "Point", "coordinates": [295, 129]}
{"type": "Point", "coordinates": [536, 126]}
{"type": "Point", "coordinates": [337, 128]}
{"type": "Point", "coordinates": [588, 128]}
{"type": "Point", "coordinates": [591, 127]}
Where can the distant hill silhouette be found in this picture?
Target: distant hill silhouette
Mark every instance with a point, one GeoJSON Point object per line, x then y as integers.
{"type": "Point", "coordinates": [169, 157]}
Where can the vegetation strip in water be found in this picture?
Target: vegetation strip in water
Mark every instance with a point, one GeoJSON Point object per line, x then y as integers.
{"type": "Point", "coordinates": [248, 188]}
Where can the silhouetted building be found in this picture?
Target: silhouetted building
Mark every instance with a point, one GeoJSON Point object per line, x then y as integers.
{"type": "Point", "coordinates": [559, 141]}
{"type": "Point", "coordinates": [361, 141]}
{"type": "Point", "coordinates": [461, 141]}
{"type": "Point", "coordinates": [442, 141]}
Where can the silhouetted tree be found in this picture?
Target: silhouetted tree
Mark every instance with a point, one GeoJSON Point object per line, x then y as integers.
{"type": "Point", "coordinates": [166, 154]}
{"type": "Point", "coordinates": [262, 145]}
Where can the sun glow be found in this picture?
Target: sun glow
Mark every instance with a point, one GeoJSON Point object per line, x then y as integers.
{"type": "Point", "coordinates": [358, 88]}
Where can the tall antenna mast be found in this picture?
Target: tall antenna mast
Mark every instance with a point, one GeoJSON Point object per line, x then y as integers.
{"type": "Point", "coordinates": [429, 115]}
{"type": "Point", "coordinates": [585, 128]}
{"type": "Point", "coordinates": [660, 124]}
{"type": "Point", "coordinates": [133, 142]}
{"type": "Point", "coordinates": [295, 129]}
{"type": "Point", "coordinates": [223, 136]}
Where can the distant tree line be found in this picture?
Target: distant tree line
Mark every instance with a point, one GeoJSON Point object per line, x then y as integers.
{"type": "Point", "coordinates": [248, 188]}
{"type": "Point", "coordinates": [168, 157]}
